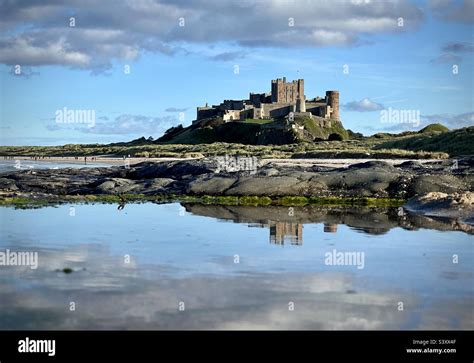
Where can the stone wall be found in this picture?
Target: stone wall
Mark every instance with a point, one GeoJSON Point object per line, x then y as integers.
{"type": "Point", "coordinates": [275, 110]}
{"type": "Point", "coordinates": [287, 92]}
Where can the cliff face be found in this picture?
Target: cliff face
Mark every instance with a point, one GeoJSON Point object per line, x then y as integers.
{"type": "Point", "coordinates": [257, 132]}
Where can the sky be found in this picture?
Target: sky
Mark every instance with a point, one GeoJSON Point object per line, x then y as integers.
{"type": "Point", "coordinates": [140, 67]}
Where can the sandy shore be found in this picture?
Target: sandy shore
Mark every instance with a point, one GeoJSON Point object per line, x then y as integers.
{"type": "Point", "coordinates": [337, 162]}
{"type": "Point", "coordinates": [98, 160]}
{"type": "Point", "coordinates": [280, 162]}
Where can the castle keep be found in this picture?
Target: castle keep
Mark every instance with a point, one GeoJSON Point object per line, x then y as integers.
{"type": "Point", "coordinates": [284, 98]}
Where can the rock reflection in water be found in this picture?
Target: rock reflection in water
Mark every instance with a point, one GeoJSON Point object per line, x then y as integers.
{"type": "Point", "coordinates": [288, 226]}
{"type": "Point", "coordinates": [190, 257]}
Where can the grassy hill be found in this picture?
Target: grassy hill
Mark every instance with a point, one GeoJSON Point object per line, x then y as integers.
{"type": "Point", "coordinates": [264, 140]}
{"type": "Point", "coordinates": [319, 133]}
{"type": "Point", "coordinates": [455, 143]}
{"type": "Point", "coordinates": [254, 132]}
{"type": "Point", "coordinates": [247, 132]}
{"type": "Point", "coordinates": [433, 128]}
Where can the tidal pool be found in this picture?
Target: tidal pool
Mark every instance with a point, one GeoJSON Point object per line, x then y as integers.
{"type": "Point", "coordinates": [191, 266]}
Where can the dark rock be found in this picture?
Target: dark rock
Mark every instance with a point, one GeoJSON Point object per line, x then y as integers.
{"type": "Point", "coordinates": [7, 184]}
{"type": "Point", "coordinates": [207, 176]}
{"type": "Point", "coordinates": [374, 164]}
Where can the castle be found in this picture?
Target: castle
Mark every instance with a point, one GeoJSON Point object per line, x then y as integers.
{"type": "Point", "coordinates": [285, 98]}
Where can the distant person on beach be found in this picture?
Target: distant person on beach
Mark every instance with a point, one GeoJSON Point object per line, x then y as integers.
{"type": "Point", "coordinates": [85, 159]}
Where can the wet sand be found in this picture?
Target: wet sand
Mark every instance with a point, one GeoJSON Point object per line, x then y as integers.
{"type": "Point", "coordinates": [280, 162]}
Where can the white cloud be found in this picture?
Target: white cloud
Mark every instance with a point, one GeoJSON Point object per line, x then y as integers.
{"type": "Point", "coordinates": [454, 11]}
{"type": "Point", "coordinates": [133, 125]}
{"type": "Point", "coordinates": [453, 121]}
{"type": "Point", "coordinates": [364, 105]}
{"type": "Point", "coordinates": [39, 33]}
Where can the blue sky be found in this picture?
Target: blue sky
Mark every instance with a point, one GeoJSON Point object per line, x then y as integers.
{"type": "Point", "coordinates": [174, 69]}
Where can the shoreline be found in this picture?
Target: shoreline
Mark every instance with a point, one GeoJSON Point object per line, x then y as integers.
{"type": "Point", "coordinates": [288, 182]}
{"type": "Point", "coordinates": [117, 161]}
{"type": "Point", "coordinates": [402, 211]}
{"type": "Point", "coordinates": [112, 160]}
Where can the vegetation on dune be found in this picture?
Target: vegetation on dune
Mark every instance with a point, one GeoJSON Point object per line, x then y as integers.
{"type": "Point", "coordinates": [456, 142]}
{"type": "Point", "coordinates": [413, 145]}
{"type": "Point", "coordinates": [367, 148]}
{"type": "Point", "coordinates": [433, 128]}
{"type": "Point", "coordinates": [316, 132]}
{"type": "Point", "coordinates": [335, 149]}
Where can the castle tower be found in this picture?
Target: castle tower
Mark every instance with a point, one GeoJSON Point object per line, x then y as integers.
{"type": "Point", "coordinates": [287, 92]}
{"type": "Point", "coordinates": [300, 104]}
{"type": "Point", "coordinates": [332, 99]}
{"type": "Point", "coordinates": [277, 86]}
{"type": "Point", "coordinates": [300, 90]}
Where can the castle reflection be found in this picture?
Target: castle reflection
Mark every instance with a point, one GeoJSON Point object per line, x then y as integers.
{"type": "Point", "coordinates": [330, 227]}
{"type": "Point", "coordinates": [282, 232]}
{"type": "Point", "coordinates": [285, 232]}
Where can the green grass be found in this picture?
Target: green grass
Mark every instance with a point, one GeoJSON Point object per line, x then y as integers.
{"type": "Point", "coordinates": [433, 128]}
{"type": "Point", "coordinates": [321, 132]}
{"type": "Point", "coordinates": [369, 148]}
{"type": "Point", "coordinates": [455, 143]}
{"type": "Point", "coordinates": [256, 121]}
{"type": "Point", "coordinates": [417, 146]}
{"type": "Point", "coordinates": [26, 203]}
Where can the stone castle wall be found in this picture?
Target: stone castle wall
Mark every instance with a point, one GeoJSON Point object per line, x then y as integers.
{"type": "Point", "coordinates": [287, 92]}
{"type": "Point", "coordinates": [285, 97]}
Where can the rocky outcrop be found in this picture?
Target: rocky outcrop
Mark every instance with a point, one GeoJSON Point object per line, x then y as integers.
{"type": "Point", "coordinates": [436, 204]}
{"type": "Point", "coordinates": [375, 179]}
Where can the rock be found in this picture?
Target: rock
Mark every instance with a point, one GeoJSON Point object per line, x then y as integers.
{"type": "Point", "coordinates": [7, 184]}
{"type": "Point", "coordinates": [158, 182]}
{"type": "Point", "coordinates": [455, 205]}
{"type": "Point", "coordinates": [374, 164]}
{"type": "Point", "coordinates": [268, 172]}
{"type": "Point", "coordinates": [117, 185]}
{"type": "Point", "coordinates": [214, 185]}
{"type": "Point", "coordinates": [205, 176]}
{"type": "Point", "coordinates": [273, 186]}
{"type": "Point", "coordinates": [175, 170]}
{"type": "Point", "coordinates": [411, 164]}
{"type": "Point", "coordinates": [424, 184]}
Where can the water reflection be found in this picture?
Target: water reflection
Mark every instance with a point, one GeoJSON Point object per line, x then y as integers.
{"type": "Point", "coordinates": [285, 232]}
{"type": "Point", "coordinates": [330, 227]}
{"type": "Point", "coordinates": [286, 224]}
{"type": "Point", "coordinates": [190, 258]}
{"type": "Point", "coordinates": [281, 231]}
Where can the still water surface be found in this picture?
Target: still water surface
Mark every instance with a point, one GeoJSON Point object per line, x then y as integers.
{"type": "Point", "coordinates": [174, 266]}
